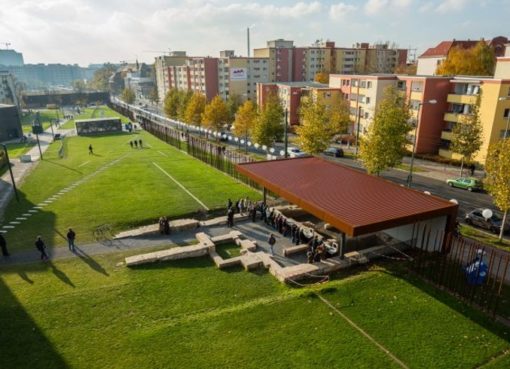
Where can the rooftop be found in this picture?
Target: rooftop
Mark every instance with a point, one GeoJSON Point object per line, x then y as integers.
{"type": "Point", "coordinates": [353, 202]}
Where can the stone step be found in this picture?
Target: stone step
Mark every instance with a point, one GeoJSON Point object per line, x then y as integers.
{"type": "Point", "coordinates": [251, 261]}
{"type": "Point", "coordinates": [295, 249]}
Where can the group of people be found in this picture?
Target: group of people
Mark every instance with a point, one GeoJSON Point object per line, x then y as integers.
{"type": "Point", "coordinates": [316, 250]}
{"type": "Point", "coordinates": [241, 206]}
{"type": "Point", "coordinates": [136, 144]}
{"type": "Point", "coordinates": [40, 245]}
{"type": "Point", "coordinates": [164, 225]}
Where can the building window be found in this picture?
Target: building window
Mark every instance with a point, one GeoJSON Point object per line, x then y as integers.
{"type": "Point", "coordinates": [367, 100]}
{"type": "Point", "coordinates": [505, 114]}
{"type": "Point", "coordinates": [369, 84]}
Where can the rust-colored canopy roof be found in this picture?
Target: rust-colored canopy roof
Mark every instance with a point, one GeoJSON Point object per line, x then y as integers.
{"type": "Point", "coordinates": [353, 202]}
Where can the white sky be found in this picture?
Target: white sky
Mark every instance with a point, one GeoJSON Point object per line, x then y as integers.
{"type": "Point", "coordinates": [96, 31]}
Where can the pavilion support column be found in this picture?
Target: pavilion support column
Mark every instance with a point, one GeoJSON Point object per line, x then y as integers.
{"type": "Point", "coordinates": [341, 245]}
{"type": "Point", "coordinates": [265, 196]}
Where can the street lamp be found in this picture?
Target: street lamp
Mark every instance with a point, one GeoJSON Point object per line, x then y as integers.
{"type": "Point", "coordinates": [503, 98]}
{"type": "Point", "coordinates": [410, 176]}
{"type": "Point", "coordinates": [357, 132]}
{"type": "Point", "coordinates": [286, 140]}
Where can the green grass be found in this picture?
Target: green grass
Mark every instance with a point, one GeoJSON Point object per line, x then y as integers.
{"type": "Point", "coordinates": [45, 116]}
{"type": "Point", "coordinates": [130, 193]}
{"type": "Point", "coordinates": [406, 167]}
{"type": "Point", "coordinates": [484, 237]}
{"type": "Point", "coordinates": [100, 112]}
{"type": "Point", "coordinates": [92, 313]}
{"type": "Point", "coordinates": [18, 149]}
{"type": "Point", "coordinates": [228, 250]}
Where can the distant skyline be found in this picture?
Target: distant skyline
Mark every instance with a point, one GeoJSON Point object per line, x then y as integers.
{"type": "Point", "coordinates": [94, 31]}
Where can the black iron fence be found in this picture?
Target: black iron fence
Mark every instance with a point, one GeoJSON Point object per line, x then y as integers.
{"type": "Point", "coordinates": [474, 272]}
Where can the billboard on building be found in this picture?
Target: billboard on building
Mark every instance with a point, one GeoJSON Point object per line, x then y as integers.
{"type": "Point", "coordinates": [238, 74]}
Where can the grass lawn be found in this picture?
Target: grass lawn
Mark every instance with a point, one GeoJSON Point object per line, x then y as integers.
{"type": "Point", "coordinates": [45, 116]}
{"type": "Point", "coordinates": [92, 313]}
{"type": "Point", "coordinates": [132, 192]}
{"type": "Point", "coordinates": [18, 149]}
{"type": "Point", "coordinates": [101, 111]}
{"type": "Point", "coordinates": [484, 237]}
{"type": "Point", "coordinates": [228, 250]}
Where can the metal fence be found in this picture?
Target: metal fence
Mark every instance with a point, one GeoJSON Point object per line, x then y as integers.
{"type": "Point", "coordinates": [474, 272]}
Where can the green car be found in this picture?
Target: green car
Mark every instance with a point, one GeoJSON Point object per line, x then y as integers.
{"type": "Point", "coordinates": [470, 184]}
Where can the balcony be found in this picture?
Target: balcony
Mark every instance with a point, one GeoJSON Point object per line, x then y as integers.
{"type": "Point", "coordinates": [417, 95]}
{"type": "Point", "coordinates": [449, 154]}
{"type": "Point", "coordinates": [446, 135]}
{"type": "Point", "coordinates": [454, 117]}
{"type": "Point", "coordinates": [462, 99]}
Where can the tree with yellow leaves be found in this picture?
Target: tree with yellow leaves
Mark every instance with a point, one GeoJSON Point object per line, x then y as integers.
{"type": "Point", "coordinates": [194, 109]}
{"type": "Point", "coordinates": [245, 119]}
{"type": "Point", "coordinates": [497, 181]}
{"type": "Point", "coordinates": [215, 114]}
{"type": "Point", "coordinates": [322, 77]}
{"type": "Point", "coordinates": [476, 61]}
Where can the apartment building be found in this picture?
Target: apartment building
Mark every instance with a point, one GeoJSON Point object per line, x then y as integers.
{"type": "Point", "coordinates": [290, 95]}
{"type": "Point", "coordinates": [429, 61]}
{"type": "Point", "coordinates": [163, 65]}
{"type": "Point", "coordinates": [224, 76]}
{"type": "Point", "coordinates": [288, 63]}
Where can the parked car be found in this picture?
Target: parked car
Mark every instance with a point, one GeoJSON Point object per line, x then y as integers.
{"type": "Point", "coordinates": [492, 224]}
{"type": "Point", "coordinates": [470, 184]}
{"type": "Point", "coordinates": [335, 152]}
{"type": "Point", "coordinates": [295, 152]}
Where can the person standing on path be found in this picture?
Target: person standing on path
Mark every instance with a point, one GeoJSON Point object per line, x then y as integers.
{"type": "Point", "coordinates": [140, 143]}
{"type": "Point", "coordinates": [41, 247]}
{"type": "Point", "coordinates": [131, 144]}
{"type": "Point", "coordinates": [3, 246]}
{"type": "Point", "coordinates": [91, 151]}
{"type": "Point", "coordinates": [271, 241]}
{"type": "Point", "coordinates": [71, 236]}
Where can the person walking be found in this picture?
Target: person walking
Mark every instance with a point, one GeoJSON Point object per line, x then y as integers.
{"type": "Point", "coordinates": [230, 217]}
{"type": "Point", "coordinates": [136, 144]}
{"type": "Point", "coordinates": [271, 241]}
{"type": "Point", "coordinates": [3, 246]}
{"type": "Point", "coordinates": [472, 169]}
{"type": "Point", "coordinates": [41, 247]}
{"type": "Point", "coordinates": [140, 143]}
{"type": "Point", "coordinates": [131, 144]}
{"type": "Point", "coordinates": [91, 150]}
{"type": "Point", "coordinates": [71, 236]}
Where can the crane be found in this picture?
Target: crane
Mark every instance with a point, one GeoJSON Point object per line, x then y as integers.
{"type": "Point", "coordinates": [158, 52]}
{"type": "Point", "coordinates": [7, 44]}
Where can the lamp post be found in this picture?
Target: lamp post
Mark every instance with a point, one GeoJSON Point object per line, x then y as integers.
{"type": "Point", "coordinates": [357, 131]}
{"type": "Point", "coordinates": [410, 176]}
{"type": "Point", "coordinates": [286, 136]}
{"type": "Point", "coordinates": [503, 98]}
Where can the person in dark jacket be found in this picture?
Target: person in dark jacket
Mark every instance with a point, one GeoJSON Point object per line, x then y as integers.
{"type": "Point", "coordinates": [71, 236]}
{"type": "Point", "coordinates": [3, 245]}
{"type": "Point", "coordinates": [41, 247]}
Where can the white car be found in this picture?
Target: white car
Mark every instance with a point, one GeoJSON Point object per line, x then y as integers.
{"type": "Point", "coordinates": [295, 152]}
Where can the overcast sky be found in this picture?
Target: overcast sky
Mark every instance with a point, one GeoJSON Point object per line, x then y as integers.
{"type": "Point", "coordinates": [95, 31]}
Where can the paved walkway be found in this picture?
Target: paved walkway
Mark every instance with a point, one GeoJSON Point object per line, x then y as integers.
{"type": "Point", "coordinates": [255, 231]}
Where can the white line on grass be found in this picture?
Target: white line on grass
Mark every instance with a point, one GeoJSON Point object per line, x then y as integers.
{"type": "Point", "coordinates": [162, 153]}
{"type": "Point", "coordinates": [360, 330]}
{"type": "Point", "coordinates": [181, 186]}
{"type": "Point", "coordinates": [81, 165]}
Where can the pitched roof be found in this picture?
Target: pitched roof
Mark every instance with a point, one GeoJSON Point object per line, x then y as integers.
{"type": "Point", "coordinates": [443, 48]}
{"type": "Point", "coordinates": [351, 201]}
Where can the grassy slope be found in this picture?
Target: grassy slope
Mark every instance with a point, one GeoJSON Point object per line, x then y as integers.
{"type": "Point", "coordinates": [45, 117]}
{"type": "Point", "coordinates": [130, 193]}
{"type": "Point", "coordinates": [18, 149]}
{"type": "Point", "coordinates": [101, 112]}
{"type": "Point", "coordinates": [189, 314]}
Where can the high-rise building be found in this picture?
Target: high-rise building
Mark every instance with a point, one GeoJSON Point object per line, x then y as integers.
{"type": "Point", "coordinates": [163, 66]}
{"type": "Point", "coordinates": [10, 57]}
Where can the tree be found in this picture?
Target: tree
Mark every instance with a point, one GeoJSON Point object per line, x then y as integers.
{"type": "Point", "coordinates": [497, 181]}
{"type": "Point", "coordinates": [171, 103]}
{"type": "Point", "coordinates": [322, 77]}
{"type": "Point", "coordinates": [128, 95]}
{"type": "Point", "coordinates": [153, 95]}
{"type": "Point", "coordinates": [476, 61]}
{"type": "Point", "coordinates": [79, 85]}
{"type": "Point", "coordinates": [467, 135]}
{"type": "Point", "coordinates": [409, 69]}
{"type": "Point", "coordinates": [269, 124]}
{"type": "Point", "coordinates": [215, 114]}
{"type": "Point", "coordinates": [384, 145]}
{"type": "Point", "coordinates": [246, 118]}
{"type": "Point", "coordinates": [320, 123]}
{"type": "Point", "coordinates": [234, 101]}
{"type": "Point", "coordinates": [194, 109]}
{"type": "Point", "coordinates": [100, 80]}
{"type": "Point", "coordinates": [183, 99]}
